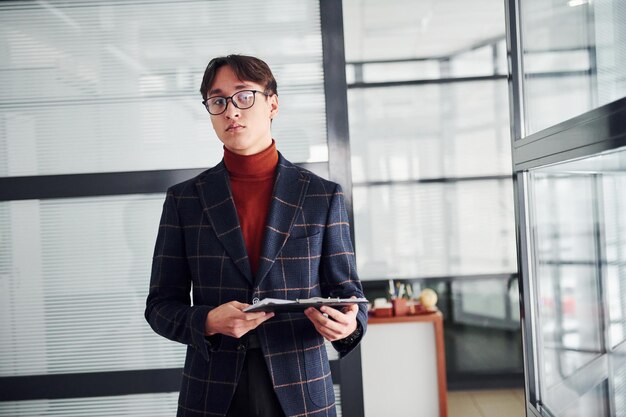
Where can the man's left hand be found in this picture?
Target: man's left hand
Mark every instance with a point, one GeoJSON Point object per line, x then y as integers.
{"type": "Point", "coordinates": [333, 324]}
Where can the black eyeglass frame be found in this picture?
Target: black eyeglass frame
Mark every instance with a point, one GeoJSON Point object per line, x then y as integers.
{"type": "Point", "coordinates": [205, 102]}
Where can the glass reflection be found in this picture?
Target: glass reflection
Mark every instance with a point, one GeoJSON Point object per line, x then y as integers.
{"type": "Point", "coordinates": [592, 404]}
{"type": "Point", "coordinates": [579, 259]}
{"type": "Point", "coordinates": [573, 58]}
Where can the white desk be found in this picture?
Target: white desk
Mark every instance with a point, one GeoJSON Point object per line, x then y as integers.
{"type": "Point", "coordinates": [404, 371]}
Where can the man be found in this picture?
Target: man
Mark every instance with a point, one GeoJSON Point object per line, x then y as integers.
{"type": "Point", "coordinates": [252, 227]}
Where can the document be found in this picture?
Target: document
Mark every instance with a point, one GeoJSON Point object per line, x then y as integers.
{"type": "Point", "coordinates": [300, 304]}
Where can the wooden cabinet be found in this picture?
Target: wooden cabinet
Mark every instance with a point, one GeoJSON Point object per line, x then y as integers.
{"type": "Point", "coordinates": [404, 372]}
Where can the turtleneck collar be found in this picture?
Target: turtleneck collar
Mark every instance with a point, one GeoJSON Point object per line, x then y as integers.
{"type": "Point", "coordinates": [260, 165]}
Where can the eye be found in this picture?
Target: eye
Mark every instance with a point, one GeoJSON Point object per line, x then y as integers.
{"type": "Point", "coordinates": [245, 97]}
{"type": "Point", "coordinates": [217, 102]}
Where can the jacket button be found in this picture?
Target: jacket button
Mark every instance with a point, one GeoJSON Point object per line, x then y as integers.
{"type": "Point", "coordinates": [255, 300]}
{"type": "Point", "coordinates": [241, 347]}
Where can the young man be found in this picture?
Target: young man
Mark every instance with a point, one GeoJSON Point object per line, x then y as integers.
{"type": "Point", "coordinates": [252, 227]}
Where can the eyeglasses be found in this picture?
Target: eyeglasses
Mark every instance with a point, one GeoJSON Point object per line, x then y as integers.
{"type": "Point", "coordinates": [243, 99]}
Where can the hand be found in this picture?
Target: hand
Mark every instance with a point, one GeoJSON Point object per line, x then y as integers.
{"type": "Point", "coordinates": [229, 319]}
{"type": "Point", "coordinates": [333, 324]}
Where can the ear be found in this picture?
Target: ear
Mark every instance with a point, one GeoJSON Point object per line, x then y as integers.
{"type": "Point", "coordinates": [273, 100]}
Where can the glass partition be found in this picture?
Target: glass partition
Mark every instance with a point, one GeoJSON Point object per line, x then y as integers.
{"type": "Point", "coordinates": [74, 284]}
{"type": "Point", "coordinates": [106, 86]}
{"type": "Point", "coordinates": [153, 405]}
{"type": "Point", "coordinates": [429, 139]}
{"type": "Point", "coordinates": [578, 243]}
{"type": "Point", "coordinates": [431, 170]}
{"type": "Point", "coordinates": [573, 58]}
{"type": "Point", "coordinates": [568, 108]}
{"type": "Point", "coordinates": [431, 173]}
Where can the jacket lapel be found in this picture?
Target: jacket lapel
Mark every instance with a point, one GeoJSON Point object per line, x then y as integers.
{"type": "Point", "coordinates": [287, 197]}
{"type": "Point", "coordinates": [219, 206]}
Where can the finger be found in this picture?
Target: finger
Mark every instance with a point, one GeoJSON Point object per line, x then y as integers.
{"type": "Point", "coordinates": [327, 327]}
{"type": "Point", "coordinates": [338, 316]}
{"type": "Point", "coordinates": [326, 332]}
{"type": "Point", "coordinates": [260, 320]}
{"type": "Point", "coordinates": [311, 314]}
{"type": "Point", "coordinates": [330, 323]}
{"type": "Point", "coordinates": [257, 315]}
{"type": "Point", "coordinates": [238, 305]}
{"type": "Point", "coordinates": [321, 329]}
{"type": "Point", "coordinates": [334, 314]}
{"type": "Point", "coordinates": [316, 317]}
{"type": "Point", "coordinates": [246, 325]}
{"type": "Point", "coordinates": [351, 309]}
{"type": "Point", "coordinates": [329, 334]}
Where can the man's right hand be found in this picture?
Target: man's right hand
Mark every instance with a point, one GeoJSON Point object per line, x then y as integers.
{"type": "Point", "coordinates": [229, 319]}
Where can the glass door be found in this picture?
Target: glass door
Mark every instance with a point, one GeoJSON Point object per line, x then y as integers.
{"type": "Point", "coordinates": [576, 216]}
{"type": "Point", "coordinates": [568, 112]}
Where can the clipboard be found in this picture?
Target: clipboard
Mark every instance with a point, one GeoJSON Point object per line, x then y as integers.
{"type": "Point", "coordinates": [278, 305]}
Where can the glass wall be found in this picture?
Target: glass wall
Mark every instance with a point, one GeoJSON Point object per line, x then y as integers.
{"type": "Point", "coordinates": [430, 146]}
{"type": "Point", "coordinates": [153, 405]}
{"type": "Point", "coordinates": [569, 159]}
{"type": "Point", "coordinates": [574, 56]}
{"type": "Point", "coordinates": [579, 261]}
{"type": "Point", "coordinates": [431, 169]}
{"type": "Point", "coordinates": [112, 87]}
{"type": "Point", "coordinates": [75, 270]}
{"type": "Point", "coordinates": [103, 86]}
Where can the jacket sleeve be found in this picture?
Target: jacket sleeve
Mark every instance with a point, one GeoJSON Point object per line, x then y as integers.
{"type": "Point", "coordinates": [168, 306]}
{"type": "Point", "coordinates": [338, 277]}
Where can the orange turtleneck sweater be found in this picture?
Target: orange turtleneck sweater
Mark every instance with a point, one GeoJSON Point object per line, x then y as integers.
{"type": "Point", "coordinates": [251, 182]}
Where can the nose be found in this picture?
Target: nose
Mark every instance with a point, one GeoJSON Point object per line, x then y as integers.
{"type": "Point", "coordinates": [231, 110]}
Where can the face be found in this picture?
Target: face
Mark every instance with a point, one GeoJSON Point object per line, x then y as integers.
{"type": "Point", "coordinates": [244, 132]}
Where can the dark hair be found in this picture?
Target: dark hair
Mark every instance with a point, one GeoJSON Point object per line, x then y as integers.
{"type": "Point", "coordinates": [246, 68]}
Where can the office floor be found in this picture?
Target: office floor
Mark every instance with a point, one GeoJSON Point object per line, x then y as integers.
{"type": "Point", "coordinates": [486, 403]}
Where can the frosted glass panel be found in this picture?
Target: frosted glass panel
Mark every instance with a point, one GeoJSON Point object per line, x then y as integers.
{"type": "Point", "coordinates": [430, 162]}
{"type": "Point", "coordinates": [614, 185]}
{"type": "Point", "coordinates": [579, 264]}
{"type": "Point", "coordinates": [433, 131]}
{"type": "Point", "coordinates": [567, 277]}
{"type": "Point", "coordinates": [113, 86]}
{"type": "Point", "coordinates": [574, 56]}
{"type": "Point", "coordinates": [74, 282]}
{"type": "Point", "coordinates": [153, 405]}
{"type": "Point", "coordinates": [397, 29]}
{"type": "Point", "coordinates": [426, 230]}
{"type": "Point", "coordinates": [618, 365]}
{"type": "Point", "coordinates": [477, 62]}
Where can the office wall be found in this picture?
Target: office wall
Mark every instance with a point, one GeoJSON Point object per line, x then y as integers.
{"type": "Point", "coordinates": [99, 101]}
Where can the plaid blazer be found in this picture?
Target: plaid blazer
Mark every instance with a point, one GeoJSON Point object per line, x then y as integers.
{"type": "Point", "coordinates": [200, 255]}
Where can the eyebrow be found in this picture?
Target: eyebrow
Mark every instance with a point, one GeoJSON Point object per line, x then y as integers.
{"type": "Point", "coordinates": [219, 91]}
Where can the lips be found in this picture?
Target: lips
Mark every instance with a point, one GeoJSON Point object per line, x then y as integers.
{"type": "Point", "coordinates": [234, 126]}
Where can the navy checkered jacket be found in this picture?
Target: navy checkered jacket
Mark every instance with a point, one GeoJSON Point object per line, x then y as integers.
{"type": "Point", "coordinates": [200, 262]}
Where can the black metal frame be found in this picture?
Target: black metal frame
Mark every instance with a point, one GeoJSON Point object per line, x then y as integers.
{"type": "Point", "coordinates": [443, 180]}
{"type": "Point", "coordinates": [104, 183]}
{"type": "Point", "coordinates": [346, 371]}
{"type": "Point", "coordinates": [598, 130]}
{"type": "Point", "coordinates": [90, 384]}
{"type": "Point", "coordinates": [426, 81]}
{"type": "Point", "coordinates": [350, 375]}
